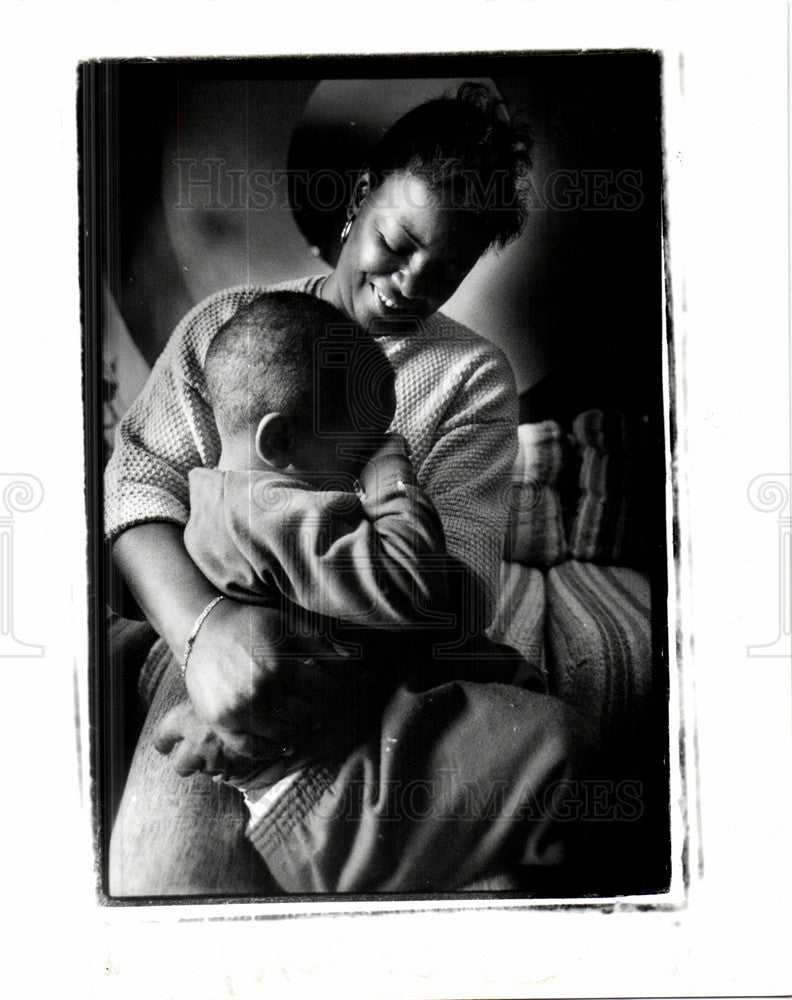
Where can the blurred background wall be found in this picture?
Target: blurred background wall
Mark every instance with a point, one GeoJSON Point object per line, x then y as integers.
{"type": "Point", "coordinates": [200, 198]}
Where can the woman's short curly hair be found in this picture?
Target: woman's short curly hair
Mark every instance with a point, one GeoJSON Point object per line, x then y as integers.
{"type": "Point", "coordinates": [467, 148]}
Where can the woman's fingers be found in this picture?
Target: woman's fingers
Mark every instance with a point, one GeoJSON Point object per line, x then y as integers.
{"type": "Point", "coordinates": [245, 750]}
{"type": "Point", "coordinates": [205, 756]}
{"type": "Point", "coordinates": [172, 728]}
{"type": "Point", "coordinates": [191, 744]}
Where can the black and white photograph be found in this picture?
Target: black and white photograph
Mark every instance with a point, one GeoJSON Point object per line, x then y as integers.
{"type": "Point", "coordinates": [395, 574]}
{"type": "Point", "coordinates": [382, 430]}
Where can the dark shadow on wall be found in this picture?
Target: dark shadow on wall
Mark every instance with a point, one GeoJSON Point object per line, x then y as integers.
{"type": "Point", "coordinates": [143, 269]}
{"type": "Point", "coordinates": [190, 137]}
{"type": "Point", "coordinates": [593, 266]}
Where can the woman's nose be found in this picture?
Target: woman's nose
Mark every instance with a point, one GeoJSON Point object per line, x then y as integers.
{"type": "Point", "coordinates": [411, 280]}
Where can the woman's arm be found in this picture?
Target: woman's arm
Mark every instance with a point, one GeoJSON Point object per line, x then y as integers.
{"type": "Point", "coordinates": [170, 428]}
{"type": "Point", "coordinates": [250, 675]}
{"type": "Point", "coordinates": [468, 474]}
{"type": "Point", "coordinates": [170, 590]}
{"type": "Point", "coordinates": [234, 676]}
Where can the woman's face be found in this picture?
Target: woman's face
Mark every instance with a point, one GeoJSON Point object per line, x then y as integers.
{"type": "Point", "coordinates": [406, 254]}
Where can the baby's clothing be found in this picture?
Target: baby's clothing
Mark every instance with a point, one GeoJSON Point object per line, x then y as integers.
{"type": "Point", "coordinates": [372, 558]}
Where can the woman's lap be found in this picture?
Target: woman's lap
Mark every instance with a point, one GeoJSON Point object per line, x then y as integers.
{"type": "Point", "coordinates": [177, 836]}
{"type": "Point", "coordinates": [454, 789]}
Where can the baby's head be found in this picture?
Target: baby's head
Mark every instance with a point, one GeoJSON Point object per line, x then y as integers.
{"type": "Point", "coordinates": [295, 385]}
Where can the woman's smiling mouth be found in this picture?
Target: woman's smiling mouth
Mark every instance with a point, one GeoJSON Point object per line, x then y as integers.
{"type": "Point", "coordinates": [390, 304]}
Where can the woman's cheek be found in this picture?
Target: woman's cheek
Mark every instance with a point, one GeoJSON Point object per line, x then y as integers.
{"type": "Point", "coordinates": [373, 263]}
{"type": "Point", "coordinates": [373, 259]}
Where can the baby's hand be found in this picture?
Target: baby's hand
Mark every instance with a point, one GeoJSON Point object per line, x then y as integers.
{"type": "Point", "coordinates": [390, 459]}
{"type": "Point", "coordinates": [391, 444]}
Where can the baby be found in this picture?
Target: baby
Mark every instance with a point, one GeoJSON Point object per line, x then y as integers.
{"type": "Point", "coordinates": [314, 506]}
{"type": "Point", "coordinates": [311, 498]}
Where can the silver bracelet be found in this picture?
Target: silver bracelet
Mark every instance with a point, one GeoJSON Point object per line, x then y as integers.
{"type": "Point", "coordinates": [196, 629]}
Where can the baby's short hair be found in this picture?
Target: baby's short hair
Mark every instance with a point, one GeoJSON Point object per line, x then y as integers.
{"type": "Point", "coordinates": [296, 354]}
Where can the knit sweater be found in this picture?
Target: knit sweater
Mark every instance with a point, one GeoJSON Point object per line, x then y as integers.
{"type": "Point", "coordinates": [456, 408]}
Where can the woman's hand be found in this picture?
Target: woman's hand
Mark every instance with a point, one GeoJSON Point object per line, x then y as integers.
{"type": "Point", "coordinates": [192, 747]}
{"type": "Point", "coordinates": [191, 744]}
{"type": "Point", "coordinates": [252, 677]}
{"type": "Point", "coordinates": [252, 673]}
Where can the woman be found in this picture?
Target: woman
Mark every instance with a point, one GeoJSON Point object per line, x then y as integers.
{"type": "Point", "coordinates": [441, 187]}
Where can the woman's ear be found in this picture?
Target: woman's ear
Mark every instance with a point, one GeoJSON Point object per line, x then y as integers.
{"type": "Point", "coordinates": [275, 440]}
{"type": "Point", "coordinates": [360, 192]}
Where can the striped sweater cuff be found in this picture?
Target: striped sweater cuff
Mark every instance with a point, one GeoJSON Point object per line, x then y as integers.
{"type": "Point", "coordinates": [291, 808]}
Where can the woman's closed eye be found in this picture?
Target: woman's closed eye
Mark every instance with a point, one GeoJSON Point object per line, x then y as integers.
{"type": "Point", "coordinates": [395, 251]}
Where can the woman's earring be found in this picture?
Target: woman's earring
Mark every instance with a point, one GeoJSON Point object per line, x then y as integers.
{"type": "Point", "coordinates": [345, 230]}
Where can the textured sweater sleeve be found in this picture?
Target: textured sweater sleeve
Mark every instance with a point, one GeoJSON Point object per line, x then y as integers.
{"type": "Point", "coordinates": [467, 472]}
{"type": "Point", "coordinates": [170, 428]}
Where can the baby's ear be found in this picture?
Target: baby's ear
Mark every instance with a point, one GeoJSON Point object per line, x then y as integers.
{"type": "Point", "coordinates": [275, 440]}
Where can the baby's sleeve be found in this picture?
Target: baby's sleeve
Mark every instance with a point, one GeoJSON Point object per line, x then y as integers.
{"type": "Point", "coordinates": [375, 560]}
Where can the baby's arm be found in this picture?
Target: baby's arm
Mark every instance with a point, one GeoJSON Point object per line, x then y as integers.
{"type": "Point", "coordinates": [397, 554]}
{"type": "Point", "coordinates": [375, 559]}
{"type": "Point", "coordinates": [384, 568]}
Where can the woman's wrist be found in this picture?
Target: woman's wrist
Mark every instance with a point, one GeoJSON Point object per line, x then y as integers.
{"type": "Point", "coordinates": [197, 626]}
